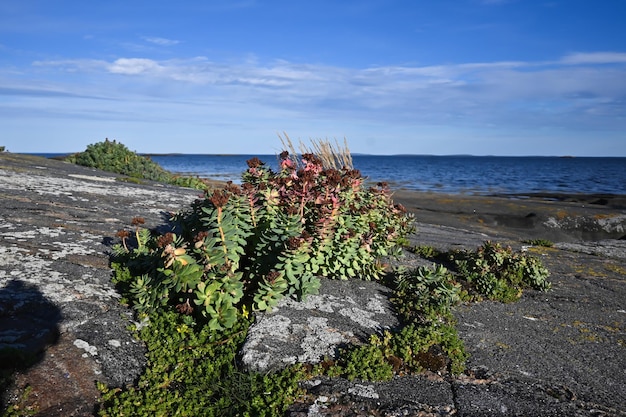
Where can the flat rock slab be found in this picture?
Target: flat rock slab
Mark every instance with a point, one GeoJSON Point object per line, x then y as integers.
{"type": "Point", "coordinates": [556, 217]}
{"type": "Point", "coordinates": [343, 313]}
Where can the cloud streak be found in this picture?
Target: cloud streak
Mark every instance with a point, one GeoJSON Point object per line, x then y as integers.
{"type": "Point", "coordinates": [160, 41]}
{"type": "Point", "coordinates": [577, 92]}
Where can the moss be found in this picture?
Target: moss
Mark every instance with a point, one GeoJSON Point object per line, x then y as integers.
{"type": "Point", "coordinates": [618, 269]}
{"type": "Point", "coordinates": [192, 371]}
{"type": "Point", "coordinates": [539, 242]}
{"type": "Point", "coordinates": [20, 407]}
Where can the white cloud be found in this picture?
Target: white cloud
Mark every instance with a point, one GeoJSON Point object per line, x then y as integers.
{"type": "Point", "coordinates": [571, 92]}
{"type": "Point", "coordinates": [160, 41]}
{"type": "Point", "coordinates": [134, 66]}
{"type": "Point", "coordinates": [73, 65]}
{"type": "Point", "coordinates": [595, 58]}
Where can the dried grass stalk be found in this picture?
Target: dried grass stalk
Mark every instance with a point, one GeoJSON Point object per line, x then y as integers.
{"type": "Point", "coordinates": [332, 155]}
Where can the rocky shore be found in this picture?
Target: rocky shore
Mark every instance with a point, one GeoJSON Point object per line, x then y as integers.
{"type": "Point", "coordinates": [561, 353]}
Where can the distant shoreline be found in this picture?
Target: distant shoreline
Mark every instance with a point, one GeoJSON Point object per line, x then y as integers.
{"type": "Point", "coordinates": [149, 154]}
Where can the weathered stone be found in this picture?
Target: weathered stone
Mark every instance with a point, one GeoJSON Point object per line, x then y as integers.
{"type": "Point", "coordinates": [344, 312]}
{"type": "Point", "coordinates": [57, 224]}
{"type": "Point", "coordinates": [559, 353]}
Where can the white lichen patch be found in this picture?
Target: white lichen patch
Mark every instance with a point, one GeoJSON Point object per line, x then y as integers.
{"type": "Point", "coordinates": [18, 264]}
{"type": "Point", "coordinates": [114, 343]}
{"type": "Point", "coordinates": [34, 233]}
{"type": "Point", "coordinates": [6, 225]}
{"type": "Point", "coordinates": [23, 235]}
{"type": "Point", "coordinates": [77, 184]}
{"type": "Point", "coordinates": [318, 341]}
{"type": "Point", "coordinates": [63, 249]}
{"type": "Point", "coordinates": [377, 304]}
{"type": "Point", "coordinates": [330, 303]}
{"type": "Point", "coordinates": [360, 316]}
{"type": "Point", "coordinates": [92, 178]}
{"type": "Point", "coordinates": [90, 349]}
{"type": "Point", "coordinates": [365, 391]}
{"type": "Point", "coordinates": [610, 224]}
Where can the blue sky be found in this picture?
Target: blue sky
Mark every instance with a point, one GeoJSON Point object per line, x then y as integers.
{"type": "Point", "coordinates": [482, 77]}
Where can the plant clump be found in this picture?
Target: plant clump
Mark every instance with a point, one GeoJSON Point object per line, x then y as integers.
{"type": "Point", "coordinates": [497, 273]}
{"type": "Point", "coordinates": [115, 157]}
{"type": "Point", "coordinates": [243, 248]}
{"type": "Point", "coordinates": [424, 297]}
{"type": "Point", "coordinates": [428, 339]}
{"type": "Point", "coordinates": [192, 372]}
{"type": "Point", "coordinates": [540, 242]}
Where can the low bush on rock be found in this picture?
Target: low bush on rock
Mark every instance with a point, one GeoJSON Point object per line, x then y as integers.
{"type": "Point", "coordinates": [114, 157]}
{"type": "Point", "coordinates": [497, 273]}
{"type": "Point", "coordinates": [424, 298]}
{"type": "Point", "coordinates": [243, 248]}
{"type": "Point", "coordinates": [492, 271]}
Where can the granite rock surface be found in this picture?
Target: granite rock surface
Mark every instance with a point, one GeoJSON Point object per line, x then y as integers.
{"type": "Point", "coordinates": [561, 353]}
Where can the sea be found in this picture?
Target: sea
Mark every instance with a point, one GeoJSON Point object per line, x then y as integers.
{"type": "Point", "coordinates": [460, 174]}
{"type": "Point", "coordinates": [452, 174]}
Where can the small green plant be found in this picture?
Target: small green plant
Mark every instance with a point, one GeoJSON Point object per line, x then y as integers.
{"type": "Point", "coordinates": [427, 340]}
{"type": "Point", "coordinates": [113, 156]}
{"type": "Point", "coordinates": [433, 346]}
{"type": "Point", "coordinates": [20, 407]}
{"type": "Point", "coordinates": [244, 248]}
{"type": "Point", "coordinates": [539, 242]}
{"type": "Point", "coordinates": [192, 371]}
{"type": "Point", "coordinates": [498, 273]}
{"type": "Point", "coordinates": [424, 294]}
{"type": "Point", "coordinates": [366, 362]}
{"type": "Point", "coordinates": [425, 251]}
{"type": "Point", "coordinates": [12, 359]}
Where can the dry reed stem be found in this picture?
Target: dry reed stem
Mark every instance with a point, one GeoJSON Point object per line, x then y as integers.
{"type": "Point", "coordinates": [332, 156]}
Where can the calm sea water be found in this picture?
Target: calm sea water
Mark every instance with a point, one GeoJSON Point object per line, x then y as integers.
{"type": "Point", "coordinates": [447, 174]}
{"type": "Point", "coordinates": [480, 175]}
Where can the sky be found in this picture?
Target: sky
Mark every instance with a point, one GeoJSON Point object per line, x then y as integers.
{"type": "Point", "coordinates": [480, 77]}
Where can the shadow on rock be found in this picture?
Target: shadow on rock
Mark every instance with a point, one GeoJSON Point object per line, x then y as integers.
{"type": "Point", "coordinates": [28, 324]}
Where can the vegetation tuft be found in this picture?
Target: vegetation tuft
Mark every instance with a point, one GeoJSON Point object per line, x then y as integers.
{"type": "Point", "coordinates": [539, 242]}
{"type": "Point", "coordinates": [497, 273]}
{"type": "Point", "coordinates": [243, 248]}
{"type": "Point", "coordinates": [192, 371]}
{"type": "Point", "coordinates": [114, 157]}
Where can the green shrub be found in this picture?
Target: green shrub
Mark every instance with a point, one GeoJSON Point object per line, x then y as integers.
{"type": "Point", "coordinates": [115, 157]}
{"type": "Point", "coordinates": [424, 294]}
{"type": "Point", "coordinates": [244, 248]}
{"type": "Point", "coordinates": [498, 273]}
{"type": "Point", "coordinates": [425, 251]}
{"type": "Point", "coordinates": [112, 156]}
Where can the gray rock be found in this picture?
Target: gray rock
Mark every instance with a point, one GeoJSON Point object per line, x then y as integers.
{"type": "Point", "coordinates": [57, 301]}
{"type": "Point", "coordinates": [590, 227]}
{"type": "Point", "coordinates": [344, 312]}
{"type": "Point", "coordinates": [559, 353]}
{"type": "Point", "coordinates": [606, 248]}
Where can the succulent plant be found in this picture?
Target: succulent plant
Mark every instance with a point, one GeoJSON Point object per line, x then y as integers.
{"type": "Point", "coordinates": [275, 235]}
